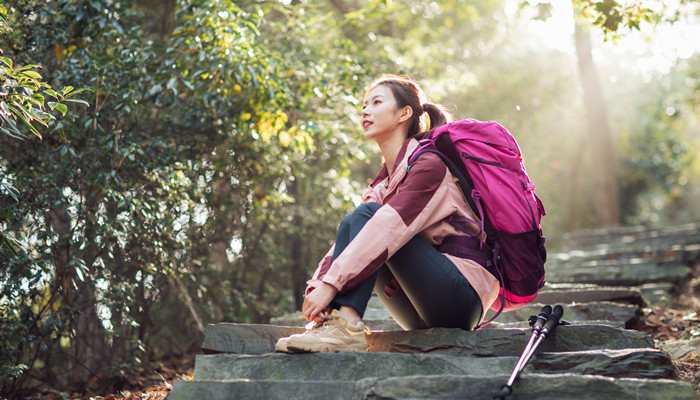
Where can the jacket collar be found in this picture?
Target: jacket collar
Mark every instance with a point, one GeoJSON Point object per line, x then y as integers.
{"type": "Point", "coordinates": [400, 165]}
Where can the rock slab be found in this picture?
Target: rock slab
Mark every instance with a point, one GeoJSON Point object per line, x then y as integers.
{"type": "Point", "coordinates": [528, 387]}
{"type": "Point", "coordinates": [506, 342]}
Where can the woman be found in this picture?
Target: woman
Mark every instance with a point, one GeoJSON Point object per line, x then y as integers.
{"type": "Point", "coordinates": [402, 241]}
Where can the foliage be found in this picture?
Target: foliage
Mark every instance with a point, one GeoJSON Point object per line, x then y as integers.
{"type": "Point", "coordinates": [188, 189]}
{"type": "Point", "coordinates": [661, 148]}
{"type": "Point", "coordinates": [616, 18]}
{"type": "Point", "coordinates": [611, 15]}
{"type": "Point", "coordinates": [23, 101]}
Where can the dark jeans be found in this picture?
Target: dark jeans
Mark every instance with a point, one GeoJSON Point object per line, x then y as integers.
{"type": "Point", "coordinates": [431, 292]}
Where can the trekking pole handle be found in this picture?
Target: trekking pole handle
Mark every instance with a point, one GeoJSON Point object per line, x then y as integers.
{"type": "Point", "coordinates": [543, 317]}
{"type": "Point", "coordinates": [553, 319]}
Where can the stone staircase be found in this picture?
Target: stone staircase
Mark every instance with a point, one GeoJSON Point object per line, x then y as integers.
{"type": "Point", "coordinates": [603, 279]}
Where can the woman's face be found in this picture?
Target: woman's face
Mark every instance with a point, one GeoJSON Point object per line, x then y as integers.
{"type": "Point", "coordinates": [380, 114]}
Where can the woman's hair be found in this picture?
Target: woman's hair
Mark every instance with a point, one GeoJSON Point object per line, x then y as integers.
{"type": "Point", "coordinates": [408, 92]}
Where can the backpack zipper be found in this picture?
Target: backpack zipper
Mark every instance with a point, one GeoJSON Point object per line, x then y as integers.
{"type": "Point", "coordinates": [482, 161]}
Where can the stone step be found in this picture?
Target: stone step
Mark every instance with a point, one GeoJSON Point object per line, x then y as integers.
{"type": "Point", "coordinates": [528, 386]}
{"type": "Point", "coordinates": [659, 252]}
{"type": "Point", "coordinates": [257, 339]}
{"type": "Point", "coordinates": [625, 315]}
{"type": "Point", "coordinates": [610, 238]}
{"type": "Point", "coordinates": [621, 315]}
{"type": "Point", "coordinates": [506, 342]}
{"type": "Point", "coordinates": [681, 348]}
{"type": "Point", "coordinates": [567, 293]}
{"type": "Point", "coordinates": [626, 274]}
{"type": "Point", "coordinates": [622, 363]}
{"type": "Point", "coordinates": [351, 366]}
{"type": "Point", "coordinates": [244, 338]}
{"type": "Point", "coordinates": [343, 366]}
{"type": "Point", "coordinates": [643, 295]}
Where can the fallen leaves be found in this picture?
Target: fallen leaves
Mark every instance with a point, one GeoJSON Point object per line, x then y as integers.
{"type": "Point", "coordinates": [152, 381]}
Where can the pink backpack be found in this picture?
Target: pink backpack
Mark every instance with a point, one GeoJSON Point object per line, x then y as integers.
{"type": "Point", "coordinates": [486, 159]}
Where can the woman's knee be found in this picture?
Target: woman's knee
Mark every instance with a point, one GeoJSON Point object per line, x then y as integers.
{"type": "Point", "coordinates": [368, 208]}
{"type": "Point", "coordinates": [364, 211]}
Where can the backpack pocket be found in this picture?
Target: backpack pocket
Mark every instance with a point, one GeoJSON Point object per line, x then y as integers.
{"type": "Point", "coordinates": [525, 255]}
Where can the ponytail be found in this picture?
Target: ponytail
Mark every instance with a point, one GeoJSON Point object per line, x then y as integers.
{"type": "Point", "coordinates": [438, 115]}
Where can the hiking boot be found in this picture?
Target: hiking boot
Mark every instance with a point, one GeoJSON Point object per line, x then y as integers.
{"type": "Point", "coordinates": [281, 345]}
{"type": "Point", "coordinates": [332, 335]}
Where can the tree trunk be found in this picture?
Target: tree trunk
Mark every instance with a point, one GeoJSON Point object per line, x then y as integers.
{"type": "Point", "coordinates": [296, 250]}
{"type": "Point", "coordinates": [88, 346]}
{"type": "Point", "coordinates": [604, 195]}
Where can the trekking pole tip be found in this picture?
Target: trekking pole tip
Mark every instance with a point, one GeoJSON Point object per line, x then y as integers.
{"type": "Point", "coordinates": [505, 392]}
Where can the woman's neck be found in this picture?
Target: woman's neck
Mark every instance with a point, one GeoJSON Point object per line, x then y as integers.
{"type": "Point", "coordinates": [390, 150]}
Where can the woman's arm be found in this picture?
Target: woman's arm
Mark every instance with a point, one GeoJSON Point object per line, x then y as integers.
{"type": "Point", "coordinates": [421, 200]}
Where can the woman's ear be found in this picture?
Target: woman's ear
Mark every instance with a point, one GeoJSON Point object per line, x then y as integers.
{"type": "Point", "coordinates": [406, 114]}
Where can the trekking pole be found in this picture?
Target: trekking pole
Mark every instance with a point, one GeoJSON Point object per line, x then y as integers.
{"type": "Point", "coordinates": [552, 322]}
{"type": "Point", "coordinates": [536, 328]}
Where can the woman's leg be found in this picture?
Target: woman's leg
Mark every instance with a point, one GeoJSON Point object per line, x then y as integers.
{"type": "Point", "coordinates": [357, 297]}
{"type": "Point", "coordinates": [398, 305]}
{"type": "Point", "coordinates": [431, 293]}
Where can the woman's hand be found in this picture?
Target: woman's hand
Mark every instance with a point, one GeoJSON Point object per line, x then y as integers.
{"type": "Point", "coordinates": [316, 302]}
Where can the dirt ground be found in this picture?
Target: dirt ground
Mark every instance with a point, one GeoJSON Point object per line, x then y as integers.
{"type": "Point", "coordinates": [679, 321]}
{"type": "Point", "coordinates": [147, 382]}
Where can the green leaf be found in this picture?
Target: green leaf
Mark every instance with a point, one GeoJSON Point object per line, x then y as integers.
{"type": "Point", "coordinates": [5, 240]}
{"type": "Point", "coordinates": [10, 129]}
{"type": "Point", "coordinates": [80, 274]}
{"type": "Point", "coordinates": [62, 108]}
{"type": "Point", "coordinates": [72, 92]}
{"type": "Point", "coordinates": [30, 66]}
{"type": "Point", "coordinates": [38, 99]}
{"type": "Point", "coordinates": [30, 74]}
{"type": "Point", "coordinates": [79, 101]}
{"type": "Point", "coordinates": [6, 61]}
{"type": "Point", "coordinates": [20, 115]}
{"type": "Point", "coordinates": [155, 90]}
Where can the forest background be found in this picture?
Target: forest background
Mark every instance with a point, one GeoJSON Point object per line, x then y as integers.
{"type": "Point", "coordinates": [165, 164]}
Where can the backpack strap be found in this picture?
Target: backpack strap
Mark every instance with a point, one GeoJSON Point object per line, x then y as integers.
{"type": "Point", "coordinates": [501, 281]}
{"type": "Point", "coordinates": [472, 248]}
{"type": "Point", "coordinates": [444, 148]}
{"type": "Point", "coordinates": [466, 247]}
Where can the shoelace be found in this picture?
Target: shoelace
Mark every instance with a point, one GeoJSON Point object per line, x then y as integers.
{"type": "Point", "coordinates": [313, 325]}
{"type": "Point", "coordinates": [322, 325]}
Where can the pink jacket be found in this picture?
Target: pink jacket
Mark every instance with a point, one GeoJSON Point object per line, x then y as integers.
{"type": "Point", "coordinates": [417, 201]}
